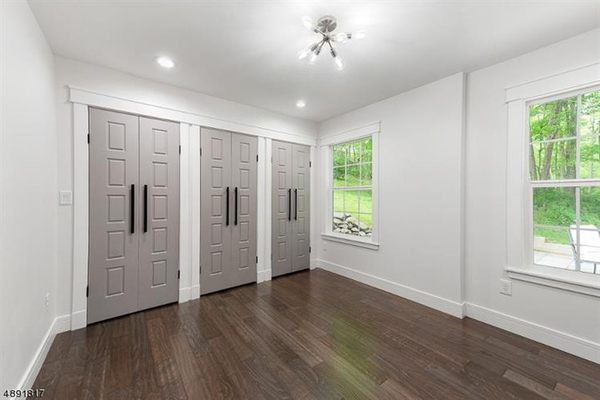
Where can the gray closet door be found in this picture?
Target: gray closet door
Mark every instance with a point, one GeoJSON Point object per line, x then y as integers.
{"type": "Point", "coordinates": [244, 150]}
{"type": "Point", "coordinates": [114, 215]}
{"type": "Point", "coordinates": [281, 204]}
{"type": "Point", "coordinates": [301, 218]}
{"type": "Point", "coordinates": [158, 225]}
{"type": "Point", "coordinates": [215, 214]}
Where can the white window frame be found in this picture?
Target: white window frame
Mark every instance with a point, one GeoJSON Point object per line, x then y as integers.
{"type": "Point", "coordinates": [326, 149]}
{"type": "Point", "coordinates": [519, 201]}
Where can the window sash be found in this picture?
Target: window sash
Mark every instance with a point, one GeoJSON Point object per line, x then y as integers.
{"type": "Point", "coordinates": [347, 188]}
{"type": "Point", "coordinates": [577, 183]}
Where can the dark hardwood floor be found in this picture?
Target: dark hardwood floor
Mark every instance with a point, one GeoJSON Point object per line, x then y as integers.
{"type": "Point", "coordinates": [311, 335]}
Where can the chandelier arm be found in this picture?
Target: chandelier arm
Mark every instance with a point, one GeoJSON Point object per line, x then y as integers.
{"type": "Point", "coordinates": [321, 46]}
{"type": "Point", "coordinates": [333, 52]}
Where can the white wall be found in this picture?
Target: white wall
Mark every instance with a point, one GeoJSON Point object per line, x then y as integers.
{"type": "Point", "coordinates": [573, 314]}
{"type": "Point", "coordinates": [121, 85]}
{"type": "Point", "coordinates": [28, 205]}
{"type": "Point", "coordinates": [420, 147]}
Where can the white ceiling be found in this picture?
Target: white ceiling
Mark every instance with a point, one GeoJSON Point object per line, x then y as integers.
{"type": "Point", "coordinates": [246, 51]}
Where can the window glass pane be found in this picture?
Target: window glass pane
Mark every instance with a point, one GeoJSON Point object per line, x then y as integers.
{"type": "Point", "coordinates": [590, 157]}
{"type": "Point", "coordinates": [367, 150]}
{"type": "Point", "coordinates": [352, 167]}
{"type": "Point", "coordinates": [589, 130]}
{"type": "Point", "coordinates": [353, 175]}
{"type": "Point", "coordinates": [590, 114]}
{"type": "Point", "coordinates": [354, 150]}
{"type": "Point", "coordinates": [366, 174]}
{"type": "Point", "coordinates": [339, 155]}
{"type": "Point", "coordinates": [365, 202]}
{"type": "Point", "coordinates": [589, 237]}
{"type": "Point", "coordinates": [553, 218]}
{"type": "Point", "coordinates": [365, 224]}
{"type": "Point", "coordinates": [339, 176]}
{"type": "Point", "coordinates": [338, 201]}
{"type": "Point", "coordinates": [553, 120]}
{"type": "Point", "coordinates": [553, 160]}
{"type": "Point", "coordinates": [351, 199]}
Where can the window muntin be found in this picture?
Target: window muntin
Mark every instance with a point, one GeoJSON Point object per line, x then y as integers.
{"type": "Point", "coordinates": [564, 175]}
{"type": "Point", "coordinates": [352, 187]}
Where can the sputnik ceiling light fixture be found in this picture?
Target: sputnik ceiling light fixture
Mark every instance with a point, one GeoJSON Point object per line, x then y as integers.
{"type": "Point", "coordinates": [325, 27]}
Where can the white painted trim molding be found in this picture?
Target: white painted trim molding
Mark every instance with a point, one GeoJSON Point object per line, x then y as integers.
{"type": "Point", "coordinates": [327, 139]}
{"type": "Point", "coordinates": [560, 340]}
{"type": "Point", "coordinates": [80, 216]}
{"type": "Point", "coordinates": [325, 149]}
{"type": "Point", "coordinates": [562, 82]}
{"type": "Point", "coordinates": [351, 240]}
{"type": "Point", "coordinates": [444, 305]}
{"type": "Point", "coordinates": [103, 100]}
{"type": "Point", "coordinates": [263, 276]}
{"type": "Point", "coordinates": [560, 279]}
{"type": "Point", "coordinates": [62, 323]}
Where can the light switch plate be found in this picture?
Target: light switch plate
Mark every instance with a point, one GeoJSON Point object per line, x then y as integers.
{"type": "Point", "coordinates": [65, 197]}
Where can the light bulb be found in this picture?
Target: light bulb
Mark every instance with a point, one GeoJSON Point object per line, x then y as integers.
{"type": "Point", "coordinates": [308, 23]}
{"type": "Point", "coordinates": [300, 104]}
{"type": "Point", "coordinates": [339, 63]}
{"type": "Point", "coordinates": [341, 37]}
{"type": "Point", "coordinates": [303, 53]}
{"type": "Point", "coordinates": [359, 35]}
{"type": "Point", "coordinates": [313, 57]}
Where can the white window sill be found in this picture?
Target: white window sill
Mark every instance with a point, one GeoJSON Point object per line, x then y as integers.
{"type": "Point", "coordinates": [572, 281]}
{"type": "Point", "coordinates": [351, 240]}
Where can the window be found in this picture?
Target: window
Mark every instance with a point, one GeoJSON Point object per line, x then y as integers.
{"type": "Point", "coordinates": [352, 188]}
{"type": "Point", "coordinates": [564, 176]}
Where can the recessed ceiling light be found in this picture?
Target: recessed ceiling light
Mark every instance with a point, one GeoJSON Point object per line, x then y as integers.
{"type": "Point", "coordinates": [165, 62]}
{"type": "Point", "coordinates": [300, 104]}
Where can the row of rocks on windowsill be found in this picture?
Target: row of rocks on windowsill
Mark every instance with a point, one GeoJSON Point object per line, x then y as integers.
{"type": "Point", "coordinates": [346, 223]}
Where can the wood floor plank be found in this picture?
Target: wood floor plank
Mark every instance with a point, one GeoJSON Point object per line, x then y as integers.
{"type": "Point", "coordinates": [308, 335]}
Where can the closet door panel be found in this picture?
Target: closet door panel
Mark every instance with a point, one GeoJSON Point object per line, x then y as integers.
{"type": "Point", "coordinates": [301, 218]}
{"type": "Point", "coordinates": [281, 205]}
{"type": "Point", "coordinates": [158, 224]}
{"type": "Point", "coordinates": [215, 215]}
{"type": "Point", "coordinates": [244, 182]}
{"type": "Point", "coordinates": [113, 251]}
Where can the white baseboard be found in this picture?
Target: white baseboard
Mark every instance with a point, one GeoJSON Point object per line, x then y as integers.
{"type": "Point", "coordinates": [185, 294]}
{"type": "Point", "coordinates": [60, 324]}
{"type": "Point", "coordinates": [430, 300]}
{"type": "Point", "coordinates": [563, 341]}
{"type": "Point", "coordinates": [195, 292]}
{"type": "Point", "coordinates": [263, 276]}
{"type": "Point", "coordinates": [78, 320]}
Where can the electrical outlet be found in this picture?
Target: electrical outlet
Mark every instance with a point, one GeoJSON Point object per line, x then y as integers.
{"type": "Point", "coordinates": [47, 300]}
{"type": "Point", "coordinates": [506, 287]}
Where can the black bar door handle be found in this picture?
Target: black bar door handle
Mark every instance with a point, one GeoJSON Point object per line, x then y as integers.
{"type": "Point", "coordinates": [289, 204]}
{"type": "Point", "coordinates": [235, 216]}
{"type": "Point", "coordinates": [145, 208]}
{"type": "Point", "coordinates": [132, 210]}
{"type": "Point", "coordinates": [295, 204]}
{"type": "Point", "coordinates": [227, 206]}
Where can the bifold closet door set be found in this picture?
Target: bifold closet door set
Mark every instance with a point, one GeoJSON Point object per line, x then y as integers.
{"type": "Point", "coordinates": [228, 209]}
{"type": "Point", "coordinates": [290, 219]}
{"type": "Point", "coordinates": [133, 213]}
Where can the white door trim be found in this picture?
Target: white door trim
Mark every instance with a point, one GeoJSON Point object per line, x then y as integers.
{"type": "Point", "coordinates": [189, 285]}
